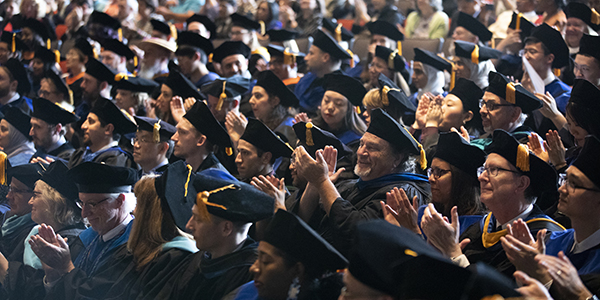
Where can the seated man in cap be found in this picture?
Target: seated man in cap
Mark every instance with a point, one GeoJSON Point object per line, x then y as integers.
{"type": "Point", "coordinates": [115, 55]}
{"type": "Point", "coordinates": [384, 162]}
{"type": "Point", "coordinates": [324, 56]}
{"type": "Point", "coordinates": [587, 61]}
{"type": "Point", "coordinates": [202, 25]}
{"type": "Point", "coordinates": [48, 128]}
{"type": "Point", "coordinates": [284, 64]}
{"type": "Point", "coordinates": [469, 29]}
{"type": "Point", "coordinates": [231, 58]}
{"type": "Point", "coordinates": [152, 145]}
{"type": "Point", "coordinates": [96, 85]}
{"type": "Point", "coordinates": [102, 130]}
{"type": "Point", "coordinates": [192, 55]}
{"type": "Point", "coordinates": [157, 53]}
{"type": "Point", "coordinates": [384, 34]}
{"type": "Point", "coordinates": [55, 89]}
{"type": "Point", "coordinates": [511, 180]}
{"type": "Point", "coordinates": [16, 86]}
{"type": "Point", "coordinates": [10, 46]}
{"type": "Point", "coordinates": [245, 30]}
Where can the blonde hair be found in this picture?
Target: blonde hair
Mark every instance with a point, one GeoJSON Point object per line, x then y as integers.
{"type": "Point", "coordinates": [62, 212]}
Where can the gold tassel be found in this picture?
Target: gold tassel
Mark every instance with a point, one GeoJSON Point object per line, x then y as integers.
{"type": "Point", "coordinates": [523, 158]}
{"type": "Point", "coordinates": [57, 56]}
{"type": "Point", "coordinates": [384, 96]}
{"type": "Point", "coordinates": [222, 97]}
{"type": "Point", "coordinates": [263, 28]}
{"type": "Point", "coordinates": [357, 110]}
{"type": "Point", "coordinates": [128, 116]}
{"type": "Point", "coordinates": [391, 58]}
{"type": "Point", "coordinates": [95, 53]}
{"type": "Point", "coordinates": [452, 78]}
{"type": "Point", "coordinates": [120, 31]}
{"type": "Point", "coordinates": [556, 72]}
{"type": "Point", "coordinates": [510, 93]}
{"type": "Point", "coordinates": [519, 16]}
{"type": "Point", "coordinates": [595, 18]}
{"type": "Point", "coordinates": [399, 48]}
{"type": "Point", "coordinates": [289, 146]}
{"type": "Point", "coordinates": [475, 55]}
{"type": "Point", "coordinates": [309, 137]}
{"type": "Point", "coordinates": [229, 151]}
{"type": "Point", "coordinates": [288, 57]}
{"type": "Point", "coordinates": [135, 61]}
{"type": "Point", "coordinates": [48, 44]}
{"type": "Point", "coordinates": [14, 46]}
{"type": "Point", "coordinates": [173, 31]}
{"type": "Point", "coordinates": [187, 182]}
{"type": "Point", "coordinates": [70, 97]}
{"type": "Point", "coordinates": [351, 58]}
{"type": "Point", "coordinates": [121, 76]}
{"type": "Point", "coordinates": [423, 157]}
{"type": "Point", "coordinates": [202, 201]}
{"type": "Point", "coordinates": [156, 132]}
{"type": "Point", "coordinates": [210, 56]}
{"type": "Point", "coordinates": [3, 158]}
{"type": "Point", "coordinates": [338, 33]}
{"type": "Point", "coordinates": [411, 253]}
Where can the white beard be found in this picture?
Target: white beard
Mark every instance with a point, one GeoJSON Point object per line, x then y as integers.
{"type": "Point", "coordinates": [149, 71]}
{"type": "Point", "coordinates": [361, 172]}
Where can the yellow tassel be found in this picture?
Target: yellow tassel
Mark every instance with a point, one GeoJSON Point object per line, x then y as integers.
{"type": "Point", "coordinates": [475, 55]}
{"type": "Point", "coordinates": [357, 110]}
{"type": "Point", "coordinates": [95, 53]}
{"type": "Point", "coordinates": [288, 57]}
{"type": "Point", "coordinates": [423, 157]}
{"type": "Point", "coordinates": [263, 28]}
{"type": "Point", "coordinates": [523, 158]}
{"type": "Point", "coordinates": [556, 72]}
{"type": "Point", "coordinates": [595, 18]}
{"type": "Point", "coordinates": [391, 58]}
{"type": "Point", "coordinates": [173, 31]}
{"type": "Point", "coordinates": [121, 76]}
{"type": "Point", "coordinates": [120, 31]}
{"type": "Point", "coordinates": [3, 157]}
{"type": "Point", "coordinates": [187, 182]}
{"type": "Point", "coordinates": [57, 56]}
{"type": "Point", "coordinates": [384, 96]}
{"type": "Point", "coordinates": [309, 137]}
{"type": "Point", "coordinates": [399, 48]}
{"type": "Point", "coordinates": [70, 97]}
{"type": "Point", "coordinates": [48, 44]}
{"type": "Point", "coordinates": [351, 58]}
{"type": "Point", "coordinates": [452, 78]}
{"type": "Point", "coordinates": [202, 201]}
{"type": "Point", "coordinates": [229, 151]}
{"type": "Point", "coordinates": [222, 97]}
{"type": "Point", "coordinates": [135, 61]}
{"type": "Point", "coordinates": [14, 46]}
{"type": "Point", "coordinates": [510, 93]}
{"type": "Point", "coordinates": [338, 33]}
{"type": "Point", "coordinates": [210, 56]}
{"type": "Point", "coordinates": [519, 16]}
{"type": "Point", "coordinates": [128, 116]}
{"type": "Point", "coordinates": [411, 253]}
{"type": "Point", "coordinates": [156, 132]}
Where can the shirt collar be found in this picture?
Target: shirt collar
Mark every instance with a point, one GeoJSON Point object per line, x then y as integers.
{"type": "Point", "coordinates": [14, 98]}
{"type": "Point", "coordinates": [589, 243]}
{"type": "Point", "coordinates": [522, 215]}
{"type": "Point", "coordinates": [112, 144]}
{"type": "Point", "coordinates": [115, 231]}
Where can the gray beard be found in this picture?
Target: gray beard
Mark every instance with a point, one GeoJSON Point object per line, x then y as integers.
{"type": "Point", "coordinates": [148, 72]}
{"type": "Point", "coordinates": [360, 172]}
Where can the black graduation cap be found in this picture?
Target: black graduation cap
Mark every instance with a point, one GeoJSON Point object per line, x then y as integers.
{"type": "Point", "coordinates": [98, 17]}
{"type": "Point", "coordinates": [392, 95]}
{"type": "Point", "coordinates": [244, 22]}
{"type": "Point", "coordinates": [28, 174]}
{"type": "Point", "coordinates": [100, 178]}
{"type": "Point", "coordinates": [57, 178]}
{"type": "Point", "coordinates": [475, 52]}
{"type": "Point", "coordinates": [474, 26]}
{"type": "Point", "coordinates": [59, 82]}
{"type": "Point", "coordinates": [584, 13]}
{"type": "Point", "coordinates": [134, 84]}
{"type": "Point", "coordinates": [588, 160]}
{"type": "Point", "coordinates": [347, 86]}
{"type": "Point", "coordinates": [14, 42]}
{"type": "Point", "coordinates": [111, 114]}
{"type": "Point", "coordinates": [84, 46]}
{"type": "Point", "coordinates": [543, 177]}
{"type": "Point", "coordinates": [313, 138]}
{"type": "Point", "coordinates": [176, 191]}
{"type": "Point", "coordinates": [432, 59]}
{"type": "Point", "coordinates": [52, 113]}
{"type": "Point", "coordinates": [386, 29]}
{"type": "Point", "coordinates": [204, 121]}
{"type": "Point", "coordinates": [380, 249]}
{"type": "Point", "coordinates": [337, 30]}
{"type": "Point", "coordinates": [263, 138]}
{"type": "Point", "coordinates": [182, 86]}
{"type": "Point", "coordinates": [206, 21]}
{"type": "Point", "coordinates": [469, 93]}
{"type": "Point", "coordinates": [553, 40]}
{"type": "Point", "coordinates": [232, 87]}
{"type": "Point", "coordinates": [487, 282]}
{"type": "Point", "coordinates": [230, 48]}
{"type": "Point", "coordinates": [518, 22]}
{"type": "Point", "coordinates": [160, 26]}
{"type": "Point", "coordinates": [385, 127]}
{"type": "Point", "coordinates": [294, 237]}
{"type": "Point", "coordinates": [288, 57]}
{"type": "Point", "coordinates": [231, 200]}
{"type": "Point", "coordinates": [118, 48]}
{"type": "Point", "coordinates": [586, 94]}
{"type": "Point", "coordinates": [273, 85]}
{"type": "Point", "coordinates": [394, 60]}
{"type": "Point", "coordinates": [19, 73]}
{"type": "Point", "coordinates": [188, 38]}
{"type": "Point", "coordinates": [281, 35]}
{"type": "Point", "coordinates": [455, 150]}
{"type": "Point", "coordinates": [100, 71]}
{"type": "Point", "coordinates": [47, 56]}
{"type": "Point", "coordinates": [161, 131]}
{"type": "Point", "coordinates": [38, 28]}
{"type": "Point", "coordinates": [18, 119]}
{"type": "Point", "coordinates": [327, 44]}
{"type": "Point", "coordinates": [590, 45]}
{"type": "Point", "coordinates": [517, 94]}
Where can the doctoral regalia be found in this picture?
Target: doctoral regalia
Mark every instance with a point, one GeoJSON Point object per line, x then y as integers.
{"type": "Point", "coordinates": [211, 162]}
{"type": "Point", "coordinates": [114, 156]}
{"type": "Point", "coordinates": [14, 231]}
{"type": "Point", "coordinates": [63, 152]}
{"type": "Point", "coordinates": [586, 262]}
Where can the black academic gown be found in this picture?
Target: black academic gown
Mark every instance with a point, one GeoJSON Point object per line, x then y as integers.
{"type": "Point", "coordinates": [63, 152]}
{"type": "Point", "coordinates": [19, 103]}
{"type": "Point", "coordinates": [211, 162]}
{"type": "Point", "coordinates": [113, 156]}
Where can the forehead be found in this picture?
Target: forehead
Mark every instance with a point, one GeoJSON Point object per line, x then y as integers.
{"type": "Point", "coordinates": [379, 37]}
{"type": "Point", "coordinates": [488, 96]}
{"type": "Point", "coordinates": [90, 78]}
{"type": "Point", "coordinates": [93, 116]}
{"type": "Point", "coordinates": [37, 121]}
{"type": "Point", "coordinates": [108, 53]}
{"type": "Point", "coordinates": [582, 59]}
{"type": "Point", "coordinates": [373, 139]}
{"type": "Point", "coordinates": [245, 145]}
{"type": "Point", "coordinates": [85, 197]}
{"type": "Point", "coordinates": [143, 133]}
{"type": "Point", "coordinates": [166, 88]}
{"type": "Point", "coordinates": [532, 45]}
{"type": "Point", "coordinates": [497, 160]}
{"type": "Point", "coordinates": [233, 58]}
{"type": "Point", "coordinates": [185, 124]}
{"type": "Point", "coordinates": [575, 21]}
{"type": "Point", "coordinates": [332, 95]}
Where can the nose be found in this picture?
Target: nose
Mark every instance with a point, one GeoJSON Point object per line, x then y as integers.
{"type": "Point", "coordinates": [85, 212]}
{"type": "Point", "coordinates": [31, 132]}
{"type": "Point", "coordinates": [254, 267]}
{"type": "Point", "coordinates": [238, 158]}
{"type": "Point", "coordinates": [175, 136]}
{"type": "Point", "coordinates": [483, 178]}
{"type": "Point", "coordinates": [577, 72]}
{"type": "Point", "coordinates": [188, 226]}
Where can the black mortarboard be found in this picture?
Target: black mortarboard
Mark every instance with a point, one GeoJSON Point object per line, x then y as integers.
{"type": "Point", "coordinates": [19, 73]}
{"type": "Point", "coordinates": [134, 84]}
{"type": "Point", "coordinates": [188, 38]}
{"type": "Point", "coordinates": [57, 178]}
{"type": "Point", "coordinates": [47, 56]}
{"type": "Point", "coordinates": [337, 30]}
{"type": "Point", "coordinates": [52, 113]}
{"type": "Point", "coordinates": [273, 85]}
{"type": "Point", "coordinates": [391, 95]}
{"type": "Point", "coordinates": [487, 282]}
{"type": "Point", "coordinates": [291, 235]}
{"type": "Point", "coordinates": [100, 178]}
{"type": "Point", "coordinates": [118, 48]}
{"type": "Point", "coordinates": [281, 35]}
{"type": "Point", "coordinates": [230, 48]}
{"type": "Point", "coordinates": [347, 86]}
{"type": "Point", "coordinates": [98, 17]}
{"type": "Point", "coordinates": [161, 131]}
{"type": "Point", "coordinates": [474, 26]}
{"type": "Point", "coordinates": [59, 82]}
{"type": "Point", "coordinates": [327, 44]}
{"type": "Point", "coordinates": [519, 22]}
{"type": "Point", "coordinates": [14, 42]}
{"type": "Point", "coordinates": [176, 191]}
{"type": "Point", "coordinates": [243, 21]}
{"type": "Point", "coordinates": [288, 57]}
{"type": "Point", "coordinates": [206, 21]}
{"type": "Point", "coordinates": [542, 176]}
{"type": "Point", "coordinates": [553, 40]}
{"type": "Point", "coordinates": [232, 87]}
{"type": "Point", "coordinates": [231, 200]}
{"type": "Point", "coordinates": [585, 94]}
{"type": "Point", "coordinates": [28, 174]}
{"type": "Point", "coordinates": [474, 52]}
{"type": "Point", "coordinates": [588, 160]}
{"type": "Point", "coordinates": [385, 127]}
{"type": "Point", "coordinates": [313, 138]}
{"type": "Point", "coordinates": [84, 46]}
{"type": "Point", "coordinates": [100, 71]}
{"type": "Point", "coordinates": [161, 26]}
{"type": "Point", "coordinates": [182, 86]}
{"type": "Point", "coordinates": [263, 138]}
{"type": "Point", "coordinates": [394, 61]}
{"type": "Point", "coordinates": [204, 121]}
{"type": "Point", "coordinates": [386, 29]}
{"type": "Point", "coordinates": [38, 28]}
{"type": "Point", "coordinates": [469, 93]}
{"type": "Point", "coordinates": [455, 150]}
{"type": "Point", "coordinates": [111, 114]}
{"type": "Point", "coordinates": [584, 13]}
{"type": "Point", "coordinates": [518, 95]}
{"type": "Point", "coordinates": [590, 45]}
{"type": "Point", "coordinates": [432, 59]}
{"type": "Point", "coordinates": [18, 119]}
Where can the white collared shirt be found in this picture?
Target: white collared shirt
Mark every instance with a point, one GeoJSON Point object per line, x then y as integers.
{"type": "Point", "coordinates": [522, 215]}
{"type": "Point", "coordinates": [113, 232]}
{"type": "Point", "coordinates": [14, 98]}
{"type": "Point", "coordinates": [587, 244]}
{"type": "Point", "coordinates": [112, 144]}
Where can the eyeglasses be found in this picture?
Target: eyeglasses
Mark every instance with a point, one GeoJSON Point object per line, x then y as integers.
{"type": "Point", "coordinates": [563, 179]}
{"type": "Point", "coordinates": [491, 106]}
{"type": "Point", "coordinates": [436, 172]}
{"type": "Point", "coordinates": [81, 205]}
{"type": "Point", "coordinates": [18, 191]}
{"type": "Point", "coordinates": [43, 93]}
{"type": "Point", "coordinates": [493, 171]}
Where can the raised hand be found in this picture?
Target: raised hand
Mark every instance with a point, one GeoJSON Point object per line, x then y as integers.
{"type": "Point", "coordinates": [536, 147]}
{"type": "Point", "coordinates": [52, 249]}
{"type": "Point", "coordinates": [302, 117]}
{"type": "Point", "coordinates": [315, 171]}
{"type": "Point", "coordinates": [566, 281]}
{"type": "Point", "coordinates": [330, 156]}
{"type": "Point", "coordinates": [421, 113]}
{"type": "Point", "coordinates": [273, 187]}
{"type": "Point", "coordinates": [188, 103]}
{"type": "Point", "coordinates": [440, 233]}
{"type": "Point", "coordinates": [177, 110]}
{"type": "Point", "coordinates": [549, 108]}
{"type": "Point", "coordinates": [464, 133]}
{"type": "Point", "coordinates": [235, 124]}
{"type": "Point", "coordinates": [400, 211]}
{"type": "Point", "coordinates": [531, 288]}
{"type": "Point", "coordinates": [556, 149]}
{"type": "Point", "coordinates": [521, 249]}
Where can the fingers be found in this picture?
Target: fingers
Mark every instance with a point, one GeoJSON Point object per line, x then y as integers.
{"type": "Point", "coordinates": [464, 243]}
{"type": "Point", "coordinates": [455, 221]}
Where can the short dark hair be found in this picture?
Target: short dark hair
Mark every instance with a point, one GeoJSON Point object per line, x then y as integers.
{"type": "Point", "coordinates": [189, 52]}
{"type": "Point", "coordinates": [584, 117]}
{"type": "Point", "coordinates": [534, 40]}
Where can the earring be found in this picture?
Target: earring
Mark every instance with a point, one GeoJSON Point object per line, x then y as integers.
{"type": "Point", "coordinates": [294, 289]}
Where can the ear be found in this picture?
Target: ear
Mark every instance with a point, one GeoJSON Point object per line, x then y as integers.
{"type": "Point", "coordinates": [196, 56]}
{"type": "Point", "coordinates": [13, 85]}
{"type": "Point", "coordinates": [120, 200]}
{"type": "Point", "coordinates": [201, 140]}
{"type": "Point", "coordinates": [523, 184]}
{"type": "Point", "coordinates": [233, 104]}
{"type": "Point", "coordinates": [298, 270]}
{"type": "Point", "coordinates": [164, 146]}
{"type": "Point", "coordinates": [109, 129]}
{"type": "Point", "coordinates": [516, 113]}
{"type": "Point", "coordinates": [275, 101]}
{"type": "Point", "coordinates": [266, 157]}
{"type": "Point", "coordinates": [550, 58]}
{"type": "Point", "coordinates": [468, 116]}
{"type": "Point", "coordinates": [226, 228]}
{"type": "Point", "coordinates": [85, 59]}
{"type": "Point", "coordinates": [58, 128]}
{"type": "Point", "coordinates": [103, 85]}
{"type": "Point", "coordinates": [326, 57]}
